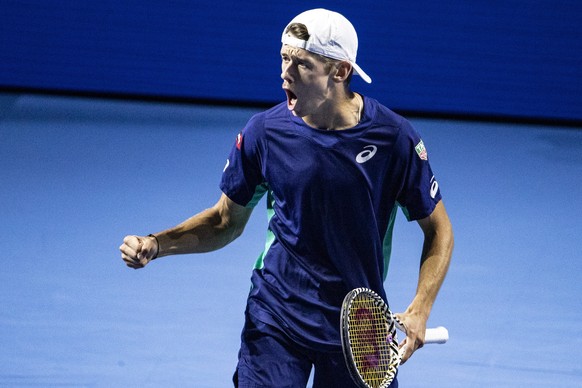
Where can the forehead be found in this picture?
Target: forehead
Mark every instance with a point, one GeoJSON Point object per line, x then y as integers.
{"type": "Point", "coordinates": [296, 52]}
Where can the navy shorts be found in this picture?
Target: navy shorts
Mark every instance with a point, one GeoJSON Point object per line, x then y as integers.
{"type": "Point", "coordinates": [270, 359]}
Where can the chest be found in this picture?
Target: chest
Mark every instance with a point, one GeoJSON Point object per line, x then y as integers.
{"type": "Point", "coordinates": [322, 166]}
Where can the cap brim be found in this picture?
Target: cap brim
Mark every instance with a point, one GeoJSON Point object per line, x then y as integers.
{"type": "Point", "coordinates": [358, 70]}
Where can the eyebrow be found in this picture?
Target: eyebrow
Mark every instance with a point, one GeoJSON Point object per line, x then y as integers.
{"type": "Point", "coordinates": [293, 52]}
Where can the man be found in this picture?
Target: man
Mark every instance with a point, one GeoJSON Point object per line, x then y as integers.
{"type": "Point", "coordinates": [335, 166]}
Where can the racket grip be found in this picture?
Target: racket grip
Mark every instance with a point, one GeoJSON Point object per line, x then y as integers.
{"type": "Point", "coordinates": [437, 335]}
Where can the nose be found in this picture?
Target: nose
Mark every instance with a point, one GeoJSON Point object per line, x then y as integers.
{"type": "Point", "coordinates": [286, 71]}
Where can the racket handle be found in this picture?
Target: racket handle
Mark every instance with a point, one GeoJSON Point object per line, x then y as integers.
{"type": "Point", "coordinates": [437, 335]}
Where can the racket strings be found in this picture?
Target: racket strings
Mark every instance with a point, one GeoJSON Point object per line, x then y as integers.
{"type": "Point", "coordinates": [373, 341]}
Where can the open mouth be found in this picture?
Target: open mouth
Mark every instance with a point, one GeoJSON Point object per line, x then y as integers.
{"type": "Point", "coordinates": [291, 99]}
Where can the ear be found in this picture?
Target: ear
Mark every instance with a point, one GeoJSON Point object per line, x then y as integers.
{"type": "Point", "coordinates": [342, 71]}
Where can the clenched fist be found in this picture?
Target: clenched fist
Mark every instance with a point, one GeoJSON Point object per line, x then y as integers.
{"type": "Point", "coordinates": [138, 251]}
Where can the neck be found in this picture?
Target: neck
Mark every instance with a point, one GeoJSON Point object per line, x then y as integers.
{"type": "Point", "coordinates": [341, 113]}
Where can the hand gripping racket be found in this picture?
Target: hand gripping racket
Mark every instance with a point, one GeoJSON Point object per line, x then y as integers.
{"type": "Point", "coordinates": [369, 339]}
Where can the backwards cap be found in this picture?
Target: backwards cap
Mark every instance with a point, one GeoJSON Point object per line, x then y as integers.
{"type": "Point", "coordinates": [330, 35]}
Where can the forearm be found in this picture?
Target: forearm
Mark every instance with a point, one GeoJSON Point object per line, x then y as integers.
{"type": "Point", "coordinates": [207, 231]}
{"type": "Point", "coordinates": [200, 233]}
{"type": "Point", "coordinates": [434, 264]}
{"type": "Point", "coordinates": [435, 260]}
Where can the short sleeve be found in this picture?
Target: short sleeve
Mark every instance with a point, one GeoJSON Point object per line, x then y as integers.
{"type": "Point", "coordinates": [242, 179]}
{"type": "Point", "coordinates": [420, 190]}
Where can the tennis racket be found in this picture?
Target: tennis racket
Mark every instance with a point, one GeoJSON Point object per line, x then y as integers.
{"type": "Point", "coordinates": [369, 339]}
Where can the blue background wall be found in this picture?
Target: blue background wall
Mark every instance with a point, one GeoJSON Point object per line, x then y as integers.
{"type": "Point", "coordinates": [490, 58]}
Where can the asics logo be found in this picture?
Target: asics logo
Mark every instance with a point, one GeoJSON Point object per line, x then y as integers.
{"type": "Point", "coordinates": [434, 187]}
{"type": "Point", "coordinates": [367, 154]}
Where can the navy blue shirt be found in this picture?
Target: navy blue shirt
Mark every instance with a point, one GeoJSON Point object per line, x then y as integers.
{"type": "Point", "coordinates": [332, 197]}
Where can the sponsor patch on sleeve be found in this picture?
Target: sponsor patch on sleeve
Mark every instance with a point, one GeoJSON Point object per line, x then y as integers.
{"type": "Point", "coordinates": [421, 151]}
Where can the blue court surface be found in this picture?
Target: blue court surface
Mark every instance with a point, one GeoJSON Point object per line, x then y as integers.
{"type": "Point", "coordinates": [77, 175]}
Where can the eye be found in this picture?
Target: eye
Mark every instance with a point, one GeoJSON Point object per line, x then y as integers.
{"type": "Point", "coordinates": [303, 64]}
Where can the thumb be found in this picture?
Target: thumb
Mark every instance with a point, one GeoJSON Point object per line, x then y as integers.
{"type": "Point", "coordinates": [147, 250]}
{"type": "Point", "coordinates": [404, 354]}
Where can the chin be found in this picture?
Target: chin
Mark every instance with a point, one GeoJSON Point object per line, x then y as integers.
{"type": "Point", "coordinates": [297, 112]}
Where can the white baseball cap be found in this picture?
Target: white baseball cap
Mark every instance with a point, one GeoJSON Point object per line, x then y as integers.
{"type": "Point", "coordinates": [330, 35]}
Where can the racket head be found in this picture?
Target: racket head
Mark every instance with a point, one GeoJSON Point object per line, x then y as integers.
{"type": "Point", "coordinates": [369, 339]}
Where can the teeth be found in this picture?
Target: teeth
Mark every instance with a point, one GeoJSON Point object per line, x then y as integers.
{"type": "Point", "coordinates": [291, 98]}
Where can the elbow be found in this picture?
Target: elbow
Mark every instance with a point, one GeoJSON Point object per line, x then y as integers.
{"type": "Point", "coordinates": [451, 235]}
{"type": "Point", "coordinates": [236, 232]}
{"type": "Point", "coordinates": [232, 219]}
{"type": "Point", "coordinates": [231, 231]}
{"type": "Point", "coordinates": [446, 239]}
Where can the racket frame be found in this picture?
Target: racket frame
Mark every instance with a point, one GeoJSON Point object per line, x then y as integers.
{"type": "Point", "coordinates": [391, 339]}
{"type": "Point", "coordinates": [438, 335]}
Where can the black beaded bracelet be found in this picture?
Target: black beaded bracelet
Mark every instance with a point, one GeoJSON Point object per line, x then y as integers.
{"type": "Point", "coordinates": [158, 244]}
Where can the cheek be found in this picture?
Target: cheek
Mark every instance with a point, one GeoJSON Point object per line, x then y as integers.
{"type": "Point", "coordinates": [314, 85]}
{"type": "Point", "coordinates": [320, 86]}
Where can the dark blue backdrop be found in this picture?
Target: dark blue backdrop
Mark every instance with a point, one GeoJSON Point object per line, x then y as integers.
{"type": "Point", "coordinates": [511, 58]}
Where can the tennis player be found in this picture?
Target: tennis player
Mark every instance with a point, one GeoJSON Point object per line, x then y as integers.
{"type": "Point", "coordinates": [335, 166]}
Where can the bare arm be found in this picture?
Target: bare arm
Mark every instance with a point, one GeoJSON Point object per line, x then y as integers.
{"type": "Point", "coordinates": [208, 230]}
{"type": "Point", "coordinates": [434, 264]}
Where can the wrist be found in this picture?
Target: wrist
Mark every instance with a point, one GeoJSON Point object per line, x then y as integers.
{"type": "Point", "coordinates": [157, 243]}
{"type": "Point", "coordinates": [420, 309]}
